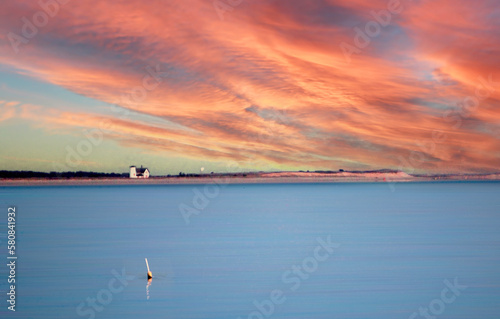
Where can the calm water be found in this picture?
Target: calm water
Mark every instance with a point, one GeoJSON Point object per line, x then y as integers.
{"type": "Point", "coordinates": [393, 251]}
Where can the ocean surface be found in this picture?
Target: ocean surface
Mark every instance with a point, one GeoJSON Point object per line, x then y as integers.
{"type": "Point", "coordinates": [356, 250]}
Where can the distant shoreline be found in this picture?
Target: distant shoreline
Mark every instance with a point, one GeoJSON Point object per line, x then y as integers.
{"type": "Point", "coordinates": [253, 178]}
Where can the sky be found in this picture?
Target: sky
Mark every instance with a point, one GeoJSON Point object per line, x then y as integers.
{"type": "Point", "coordinates": [240, 85]}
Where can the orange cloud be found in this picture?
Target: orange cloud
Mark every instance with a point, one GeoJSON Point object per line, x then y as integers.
{"type": "Point", "coordinates": [270, 83]}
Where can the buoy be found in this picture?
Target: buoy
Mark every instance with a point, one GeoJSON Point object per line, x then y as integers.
{"type": "Point", "coordinates": [150, 274]}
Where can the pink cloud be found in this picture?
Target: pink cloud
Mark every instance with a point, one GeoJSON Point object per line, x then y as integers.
{"type": "Point", "coordinates": [219, 78]}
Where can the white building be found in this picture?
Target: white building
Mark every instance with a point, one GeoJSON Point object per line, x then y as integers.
{"type": "Point", "coordinates": [139, 172]}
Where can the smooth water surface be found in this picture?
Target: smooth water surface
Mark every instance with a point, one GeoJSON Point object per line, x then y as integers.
{"type": "Point", "coordinates": [393, 252]}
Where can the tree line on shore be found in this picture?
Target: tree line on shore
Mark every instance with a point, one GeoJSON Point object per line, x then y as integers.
{"type": "Point", "coordinates": [57, 175]}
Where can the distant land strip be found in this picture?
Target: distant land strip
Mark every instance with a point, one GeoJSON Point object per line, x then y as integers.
{"type": "Point", "coordinates": [27, 178]}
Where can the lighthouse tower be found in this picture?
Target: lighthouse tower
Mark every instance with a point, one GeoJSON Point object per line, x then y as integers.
{"type": "Point", "coordinates": [133, 172]}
